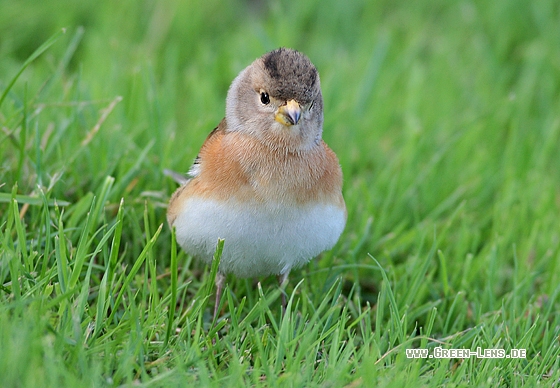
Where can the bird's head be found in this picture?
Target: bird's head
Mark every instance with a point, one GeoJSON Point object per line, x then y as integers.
{"type": "Point", "coordinates": [278, 100]}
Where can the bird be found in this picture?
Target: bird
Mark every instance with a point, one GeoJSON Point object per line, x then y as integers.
{"type": "Point", "coordinates": [264, 180]}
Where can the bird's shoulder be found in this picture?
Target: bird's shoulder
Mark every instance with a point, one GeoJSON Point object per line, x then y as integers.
{"type": "Point", "coordinates": [213, 138]}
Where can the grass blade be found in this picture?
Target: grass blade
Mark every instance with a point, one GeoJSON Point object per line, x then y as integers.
{"type": "Point", "coordinates": [31, 58]}
{"type": "Point", "coordinates": [173, 302]}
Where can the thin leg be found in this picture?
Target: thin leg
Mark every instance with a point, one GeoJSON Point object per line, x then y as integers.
{"type": "Point", "coordinates": [220, 281]}
{"type": "Point", "coordinates": [283, 281]}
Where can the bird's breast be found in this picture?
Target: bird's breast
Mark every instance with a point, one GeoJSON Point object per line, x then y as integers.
{"type": "Point", "coordinates": [251, 170]}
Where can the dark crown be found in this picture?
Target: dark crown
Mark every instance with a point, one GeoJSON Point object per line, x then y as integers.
{"type": "Point", "coordinates": [292, 73]}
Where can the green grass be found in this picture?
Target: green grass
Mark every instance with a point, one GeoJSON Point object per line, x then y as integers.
{"type": "Point", "coordinates": [444, 115]}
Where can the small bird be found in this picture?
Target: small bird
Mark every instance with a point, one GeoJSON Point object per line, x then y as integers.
{"type": "Point", "coordinates": [264, 180]}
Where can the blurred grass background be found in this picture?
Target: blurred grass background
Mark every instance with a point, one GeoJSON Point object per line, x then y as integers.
{"type": "Point", "coordinates": [444, 115]}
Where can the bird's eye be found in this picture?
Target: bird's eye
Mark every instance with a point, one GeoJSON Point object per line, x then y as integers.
{"type": "Point", "coordinates": [265, 99]}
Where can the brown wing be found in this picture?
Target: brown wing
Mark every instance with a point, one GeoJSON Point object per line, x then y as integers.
{"type": "Point", "coordinates": [194, 171]}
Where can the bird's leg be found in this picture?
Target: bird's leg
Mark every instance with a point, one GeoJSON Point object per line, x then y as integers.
{"type": "Point", "coordinates": [220, 281]}
{"type": "Point", "coordinates": [283, 281]}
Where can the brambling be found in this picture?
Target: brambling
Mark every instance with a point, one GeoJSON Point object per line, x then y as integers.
{"type": "Point", "coordinates": [264, 180]}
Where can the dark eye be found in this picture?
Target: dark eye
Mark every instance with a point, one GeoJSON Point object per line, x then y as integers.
{"type": "Point", "coordinates": [265, 99]}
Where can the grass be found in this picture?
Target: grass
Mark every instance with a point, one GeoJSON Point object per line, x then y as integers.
{"type": "Point", "coordinates": [444, 115]}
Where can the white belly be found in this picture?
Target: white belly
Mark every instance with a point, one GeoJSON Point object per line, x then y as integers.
{"type": "Point", "coordinates": [260, 239]}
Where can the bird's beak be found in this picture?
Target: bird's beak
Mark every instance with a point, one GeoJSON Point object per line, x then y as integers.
{"type": "Point", "coordinates": [288, 114]}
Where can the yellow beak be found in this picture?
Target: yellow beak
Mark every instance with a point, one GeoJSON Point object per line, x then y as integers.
{"type": "Point", "coordinates": [288, 114]}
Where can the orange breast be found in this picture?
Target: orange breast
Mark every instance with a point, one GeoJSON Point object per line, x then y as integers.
{"type": "Point", "coordinates": [234, 165]}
